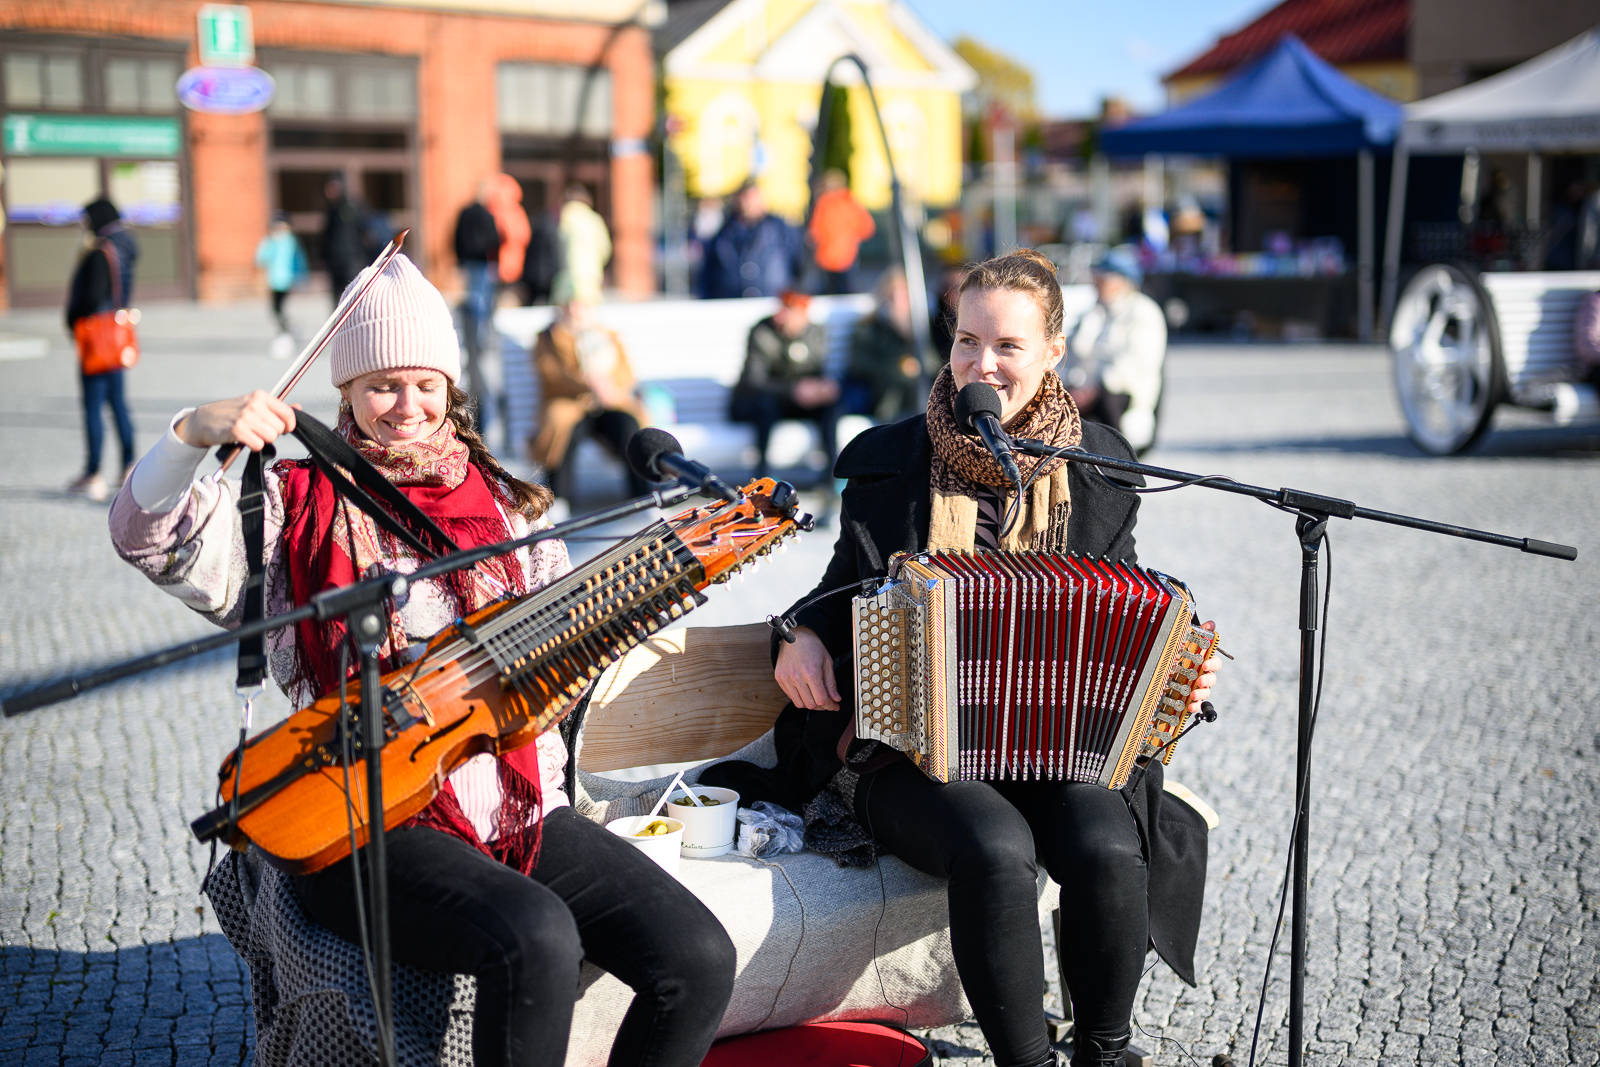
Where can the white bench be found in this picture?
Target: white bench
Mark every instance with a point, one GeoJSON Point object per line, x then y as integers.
{"type": "Point", "coordinates": [815, 942]}
{"type": "Point", "coordinates": [695, 350]}
{"type": "Point", "coordinates": [1464, 343]}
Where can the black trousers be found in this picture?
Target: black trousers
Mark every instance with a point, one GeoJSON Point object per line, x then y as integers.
{"type": "Point", "coordinates": [278, 297]}
{"type": "Point", "coordinates": [763, 410]}
{"type": "Point", "coordinates": [988, 839]}
{"type": "Point", "coordinates": [592, 896]}
{"type": "Point", "coordinates": [1107, 408]}
{"type": "Point", "coordinates": [611, 427]}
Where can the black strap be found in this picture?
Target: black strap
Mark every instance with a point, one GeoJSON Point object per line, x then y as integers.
{"type": "Point", "coordinates": [252, 523]}
{"type": "Point", "coordinates": [402, 518]}
{"type": "Point", "coordinates": [329, 452]}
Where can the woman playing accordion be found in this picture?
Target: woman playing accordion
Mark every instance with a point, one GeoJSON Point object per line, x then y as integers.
{"type": "Point", "coordinates": [1131, 869]}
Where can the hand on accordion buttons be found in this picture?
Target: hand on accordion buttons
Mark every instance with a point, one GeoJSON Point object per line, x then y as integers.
{"type": "Point", "coordinates": [805, 672]}
{"type": "Point", "coordinates": [1208, 678]}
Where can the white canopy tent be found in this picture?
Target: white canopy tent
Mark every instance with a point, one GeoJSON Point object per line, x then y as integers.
{"type": "Point", "coordinates": [1551, 103]}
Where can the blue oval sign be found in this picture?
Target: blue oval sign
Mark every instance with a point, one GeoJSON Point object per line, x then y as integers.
{"type": "Point", "coordinates": [225, 90]}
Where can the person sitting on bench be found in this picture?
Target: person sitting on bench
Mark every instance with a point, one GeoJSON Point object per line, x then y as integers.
{"type": "Point", "coordinates": [586, 386]}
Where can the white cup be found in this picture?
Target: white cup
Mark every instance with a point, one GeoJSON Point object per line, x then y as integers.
{"type": "Point", "coordinates": [663, 849]}
{"type": "Point", "coordinates": [707, 831]}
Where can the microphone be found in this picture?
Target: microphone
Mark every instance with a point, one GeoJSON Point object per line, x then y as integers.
{"type": "Point", "coordinates": [978, 412]}
{"type": "Point", "coordinates": [656, 456]}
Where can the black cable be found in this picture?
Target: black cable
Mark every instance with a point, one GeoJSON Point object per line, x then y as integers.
{"type": "Point", "coordinates": [785, 623]}
{"type": "Point", "coordinates": [1299, 796]}
{"type": "Point", "coordinates": [1121, 487]}
{"type": "Point", "coordinates": [1158, 1039]}
{"type": "Point", "coordinates": [348, 755]}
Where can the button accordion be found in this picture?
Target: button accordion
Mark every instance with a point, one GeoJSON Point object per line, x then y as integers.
{"type": "Point", "coordinates": [1026, 665]}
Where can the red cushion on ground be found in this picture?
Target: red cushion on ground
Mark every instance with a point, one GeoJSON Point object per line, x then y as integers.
{"type": "Point", "coordinates": [821, 1045]}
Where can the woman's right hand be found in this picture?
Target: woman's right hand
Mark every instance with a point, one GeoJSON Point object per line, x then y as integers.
{"type": "Point", "coordinates": [254, 420]}
{"type": "Point", "coordinates": [805, 672]}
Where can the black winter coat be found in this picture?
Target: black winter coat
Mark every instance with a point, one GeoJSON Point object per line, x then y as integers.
{"type": "Point", "coordinates": [91, 291]}
{"type": "Point", "coordinates": [886, 508]}
{"type": "Point", "coordinates": [477, 237]}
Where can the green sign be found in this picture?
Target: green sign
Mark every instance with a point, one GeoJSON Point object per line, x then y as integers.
{"type": "Point", "coordinates": [87, 135]}
{"type": "Point", "coordinates": [226, 39]}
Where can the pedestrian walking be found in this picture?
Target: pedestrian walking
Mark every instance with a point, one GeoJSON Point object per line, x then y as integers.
{"type": "Point", "coordinates": [585, 249]}
{"type": "Point", "coordinates": [783, 378]}
{"type": "Point", "coordinates": [542, 259]}
{"type": "Point", "coordinates": [754, 253]}
{"type": "Point", "coordinates": [102, 283]}
{"type": "Point", "coordinates": [477, 248]}
{"type": "Point", "coordinates": [587, 388]}
{"type": "Point", "coordinates": [1113, 365]}
{"type": "Point", "coordinates": [344, 238]}
{"type": "Point", "coordinates": [884, 376]}
{"type": "Point", "coordinates": [838, 226]}
{"type": "Point", "coordinates": [279, 254]}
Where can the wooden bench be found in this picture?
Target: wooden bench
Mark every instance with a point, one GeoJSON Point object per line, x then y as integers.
{"type": "Point", "coordinates": [1463, 343]}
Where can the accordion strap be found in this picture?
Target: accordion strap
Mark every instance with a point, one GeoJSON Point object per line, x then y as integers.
{"type": "Point", "coordinates": [880, 759]}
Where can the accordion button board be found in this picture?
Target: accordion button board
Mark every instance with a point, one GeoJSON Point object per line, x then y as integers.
{"type": "Point", "coordinates": [1026, 665]}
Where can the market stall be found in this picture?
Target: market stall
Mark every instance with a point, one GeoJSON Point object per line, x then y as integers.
{"type": "Point", "coordinates": [1287, 105]}
{"type": "Point", "coordinates": [1465, 340]}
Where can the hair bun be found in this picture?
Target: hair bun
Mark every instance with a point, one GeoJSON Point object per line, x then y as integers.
{"type": "Point", "coordinates": [1033, 255]}
{"type": "Point", "coordinates": [1023, 270]}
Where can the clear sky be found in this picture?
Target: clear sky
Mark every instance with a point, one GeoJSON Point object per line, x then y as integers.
{"type": "Point", "coordinates": [1082, 50]}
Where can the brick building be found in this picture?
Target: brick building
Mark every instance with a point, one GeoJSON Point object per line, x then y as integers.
{"type": "Point", "coordinates": [411, 102]}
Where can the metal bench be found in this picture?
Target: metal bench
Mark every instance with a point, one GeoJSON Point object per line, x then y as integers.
{"type": "Point", "coordinates": [1464, 343]}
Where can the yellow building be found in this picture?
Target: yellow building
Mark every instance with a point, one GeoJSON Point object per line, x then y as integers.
{"type": "Point", "coordinates": [743, 82]}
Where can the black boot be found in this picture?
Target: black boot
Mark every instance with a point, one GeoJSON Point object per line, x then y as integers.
{"type": "Point", "coordinates": [1088, 1051]}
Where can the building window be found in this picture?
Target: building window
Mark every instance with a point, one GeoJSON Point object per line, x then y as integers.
{"type": "Point", "coordinates": [304, 91]}
{"type": "Point", "coordinates": [542, 98]}
{"type": "Point", "coordinates": [141, 84]}
{"type": "Point", "coordinates": [35, 79]}
{"type": "Point", "coordinates": [377, 93]}
{"type": "Point", "coordinates": [354, 91]}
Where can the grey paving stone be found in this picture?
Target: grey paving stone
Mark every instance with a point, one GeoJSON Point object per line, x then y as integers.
{"type": "Point", "coordinates": [1455, 876]}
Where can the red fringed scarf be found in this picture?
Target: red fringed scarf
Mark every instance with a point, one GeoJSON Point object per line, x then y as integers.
{"type": "Point", "coordinates": [330, 543]}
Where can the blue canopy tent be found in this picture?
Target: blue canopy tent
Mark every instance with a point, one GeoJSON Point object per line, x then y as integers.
{"type": "Point", "coordinates": [1288, 103]}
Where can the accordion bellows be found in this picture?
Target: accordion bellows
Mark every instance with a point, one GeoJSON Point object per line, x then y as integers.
{"type": "Point", "coordinates": [1026, 665]}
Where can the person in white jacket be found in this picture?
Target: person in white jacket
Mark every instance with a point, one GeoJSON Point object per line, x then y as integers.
{"type": "Point", "coordinates": [1113, 363]}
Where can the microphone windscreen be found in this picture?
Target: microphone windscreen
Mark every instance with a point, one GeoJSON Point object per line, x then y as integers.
{"type": "Point", "coordinates": [645, 448]}
{"type": "Point", "coordinates": [974, 400]}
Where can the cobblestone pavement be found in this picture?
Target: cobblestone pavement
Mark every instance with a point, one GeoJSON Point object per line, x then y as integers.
{"type": "Point", "coordinates": [1455, 876]}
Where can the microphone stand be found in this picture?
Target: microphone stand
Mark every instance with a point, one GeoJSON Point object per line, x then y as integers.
{"type": "Point", "coordinates": [1312, 511]}
{"type": "Point", "coordinates": [362, 604]}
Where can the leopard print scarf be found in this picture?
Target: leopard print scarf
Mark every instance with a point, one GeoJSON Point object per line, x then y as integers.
{"type": "Point", "coordinates": [963, 468]}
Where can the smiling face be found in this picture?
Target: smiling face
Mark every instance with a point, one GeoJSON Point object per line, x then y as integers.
{"type": "Point", "coordinates": [398, 407]}
{"type": "Point", "coordinates": [1000, 340]}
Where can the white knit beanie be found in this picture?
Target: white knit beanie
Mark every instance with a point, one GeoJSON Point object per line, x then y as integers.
{"type": "Point", "coordinates": [402, 323]}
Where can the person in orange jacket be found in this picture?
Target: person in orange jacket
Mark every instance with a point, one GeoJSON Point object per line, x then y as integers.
{"type": "Point", "coordinates": [838, 226]}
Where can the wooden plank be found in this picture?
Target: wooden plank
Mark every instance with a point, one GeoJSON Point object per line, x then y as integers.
{"type": "Point", "coordinates": [688, 694]}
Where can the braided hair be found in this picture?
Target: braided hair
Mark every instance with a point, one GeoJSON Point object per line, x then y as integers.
{"type": "Point", "coordinates": [526, 498]}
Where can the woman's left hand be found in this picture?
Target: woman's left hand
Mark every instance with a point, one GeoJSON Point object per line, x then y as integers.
{"type": "Point", "coordinates": [1208, 678]}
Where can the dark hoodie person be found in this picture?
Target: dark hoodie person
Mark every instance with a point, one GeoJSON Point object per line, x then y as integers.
{"type": "Point", "coordinates": [93, 291]}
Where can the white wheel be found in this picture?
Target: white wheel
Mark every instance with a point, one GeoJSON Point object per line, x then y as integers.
{"type": "Point", "coordinates": [1446, 348]}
